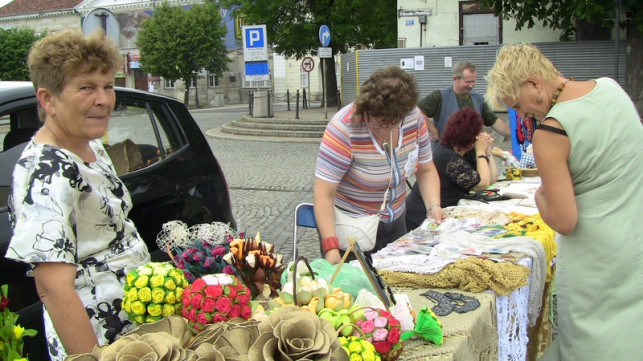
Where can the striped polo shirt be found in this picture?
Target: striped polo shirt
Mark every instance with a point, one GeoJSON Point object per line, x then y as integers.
{"type": "Point", "coordinates": [349, 155]}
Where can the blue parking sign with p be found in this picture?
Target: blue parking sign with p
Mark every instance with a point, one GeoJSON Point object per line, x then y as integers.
{"type": "Point", "coordinates": [255, 37]}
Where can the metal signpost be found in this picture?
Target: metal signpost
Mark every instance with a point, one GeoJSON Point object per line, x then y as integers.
{"type": "Point", "coordinates": [324, 39]}
{"type": "Point", "coordinates": [255, 53]}
{"type": "Point", "coordinates": [307, 65]}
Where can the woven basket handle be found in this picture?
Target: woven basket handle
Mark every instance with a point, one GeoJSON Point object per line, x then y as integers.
{"type": "Point", "coordinates": [294, 276]}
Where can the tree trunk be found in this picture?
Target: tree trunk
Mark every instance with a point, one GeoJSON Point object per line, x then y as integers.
{"type": "Point", "coordinates": [186, 94]}
{"type": "Point", "coordinates": [330, 80]}
{"type": "Point", "coordinates": [634, 86]}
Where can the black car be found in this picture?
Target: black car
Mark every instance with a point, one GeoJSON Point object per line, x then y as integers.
{"type": "Point", "coordinates": [160, 154]}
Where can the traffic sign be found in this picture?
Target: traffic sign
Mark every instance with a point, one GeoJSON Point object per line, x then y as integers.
{"type": "Point", "coordinates": [324, 35]}
{"type": "Point", "coordinates": [308, 64]}
{"type": "Point", "coordinates": [255, 43]}
{"type": "Point", "coordinates": [325, 52]}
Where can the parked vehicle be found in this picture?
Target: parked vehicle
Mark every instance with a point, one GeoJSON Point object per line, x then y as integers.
{"type": "Point", "coordinates": [160, 154]}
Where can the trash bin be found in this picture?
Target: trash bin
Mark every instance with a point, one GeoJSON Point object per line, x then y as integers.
{"type": "Point", "coordinates": [261, 104]}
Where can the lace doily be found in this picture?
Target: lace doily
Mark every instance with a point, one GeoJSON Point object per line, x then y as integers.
{"type": "Point", "coordinates": [177, 234]}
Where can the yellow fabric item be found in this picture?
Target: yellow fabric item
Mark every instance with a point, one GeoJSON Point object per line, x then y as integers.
{"type": "Point", "coordinates": [470, 274]}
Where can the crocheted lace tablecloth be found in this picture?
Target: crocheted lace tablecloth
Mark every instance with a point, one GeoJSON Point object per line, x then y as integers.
{"type": "Point", "coordinates": [467, 336]}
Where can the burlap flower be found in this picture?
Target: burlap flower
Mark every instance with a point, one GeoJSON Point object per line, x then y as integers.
{"type": "Point", "coordinates": [292, 333]}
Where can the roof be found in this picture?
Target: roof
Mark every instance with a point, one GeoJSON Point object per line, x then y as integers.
{"type": "Point", "coordinates": [17, 7]}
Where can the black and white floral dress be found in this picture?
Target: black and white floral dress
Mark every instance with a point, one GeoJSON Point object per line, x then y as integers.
{"type": "Point", "coordinates": [64, 209]}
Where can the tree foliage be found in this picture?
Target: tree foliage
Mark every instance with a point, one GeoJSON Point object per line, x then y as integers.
{"type": "Point", "coordinates": [563, 14]}
{"type": "Point", "coordinates": [176, 43]}
{"type": "Point", "coordinates": [15, 44]}
{"type": "Point", "coordinates": [293, 27]}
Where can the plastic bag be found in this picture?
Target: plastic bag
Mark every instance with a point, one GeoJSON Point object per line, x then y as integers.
{"type": "Point", "coordinates": [350, 279]}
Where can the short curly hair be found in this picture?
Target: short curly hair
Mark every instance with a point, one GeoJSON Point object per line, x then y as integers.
{"type": "Point", "coordinates": [389, 92]}
{"type": "Point", "coordinates": [58, 57]}
{"type": "Point", "coordinates": [514, 64]}
{"type": "Point", "coordinates": [462, 128]}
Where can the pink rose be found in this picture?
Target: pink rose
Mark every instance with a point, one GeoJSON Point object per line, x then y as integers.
{"type": "Point", "coordinates": [202, 318]}
{"type": "Point", "coordinates": [246, 312]}
{"type": "Point", "coordinates": [228, 270]}
{"type": "Point", "coordinates": [192, 315]}
{"type": "Point", "coordinates": [243, 299]}
{"type": "Point", "coordinates": [219, 318]}
{"type": "Point", "coordinates": [370, 315]}
{"type": "Point", "coordinates": [198, 285]}
{"type": "Point", "coordinates": [208, 305]}
{"type": "Point", "coordinates": [367, 326]}
{"type": "Point", "coordinates": [380, 322]}
{"type": "Point", "coordinates": [224, 305]}
{"type": "Point", "coordinates": [213, 291]}
{"type": "Point", "coordinates": [394, 336]}
{"type": "Point", "coordinates": [218, 251]}
{"type": "Point", "coordinates": [380, 334]}
{"type": "Point", "coordinates": [196, 300]}
{"type": "Point", "coordinates": [382, 347]}
{"type": "Point", "coordinates": [232, 292]}
{"type": "Point", "coordinates": [235, 311]}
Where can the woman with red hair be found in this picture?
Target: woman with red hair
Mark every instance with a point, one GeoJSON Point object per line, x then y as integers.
{"type": "Point", "coordinates": [463, 160]}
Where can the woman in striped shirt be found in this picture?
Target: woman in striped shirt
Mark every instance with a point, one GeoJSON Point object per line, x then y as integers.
{"type": "Point", "coordinates": [371, 145]}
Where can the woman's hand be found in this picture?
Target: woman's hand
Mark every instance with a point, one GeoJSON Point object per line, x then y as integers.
{"type": "Point", "coordinates": [438, 214]}
{"type": "Point", "coordinates": [483, 143]}
{"type": "Point", "coordinates": [333, 256]}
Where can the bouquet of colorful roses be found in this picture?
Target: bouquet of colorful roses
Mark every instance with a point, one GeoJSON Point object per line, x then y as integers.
{"type": "Point", "coordinates": [153, 291]}
{"type": "Point", "coordinates": [11, 333]}
{"type": "Point", "coordinates": [383, 330]}
{"type": "Point", "coordinates": [215, 298]}
{"type": "Point", "coordinates": [202, 258]}
{"type": "Point", "coordinates": [358, 348]}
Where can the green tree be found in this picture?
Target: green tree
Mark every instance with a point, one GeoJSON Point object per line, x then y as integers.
{"type": "Point", "coordinates": [570, 16]}
{"type": "Point", "coordinates": [176, 43]}
{"type": "Point", "coordinates": [293, 27]}
{"type": "Point", "coordinates": [14, 49]}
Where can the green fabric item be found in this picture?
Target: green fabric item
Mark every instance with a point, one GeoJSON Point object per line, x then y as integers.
{"type": "Point", "coordinates": [427, 327]}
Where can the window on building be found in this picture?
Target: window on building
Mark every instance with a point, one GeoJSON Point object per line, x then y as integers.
{"type": "Point", "coordinates": [401, 42]}
{"type": "Point", "coordinates": [213, 81]}
{"type": "Point", "coordinates": [479, 25]}
{"type": "Point", "coordinates": [169, 84]}
{"type": "Point", "coordinates": [193, 83]}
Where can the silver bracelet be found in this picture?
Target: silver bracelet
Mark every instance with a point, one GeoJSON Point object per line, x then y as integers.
{"type": "Point", "coordinates": [428, 213]}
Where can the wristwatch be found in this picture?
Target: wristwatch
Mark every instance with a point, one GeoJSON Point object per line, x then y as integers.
{"type": "Point", "coordinates": [484, 156]}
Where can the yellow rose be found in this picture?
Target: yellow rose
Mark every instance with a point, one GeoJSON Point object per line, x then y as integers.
{"type": "Point", "coordinates": [132, 294]}
{"type": "Point", "coordinates": [368, 355]}
{"type": "Point", "coordinates": [152, 319]}
{"type": "Point", "coordinates": [177, 308]}
{"type": "Point", "coordinates": [169, 283]}
{"type": "Point", "coordinates": [368, 346]}
{"type": "Point", "coordinates": [355, 357]}
{"type": "Point", "coordinates": [141, 282]}
{"type": "Point", "coordinates": [170, 297]}
{"type": "Point", "coordinates": [179, 293]}
{"type": "Point", "coordinates": [138, 320]}
{"type": "Point", "coordinates": [355, 346]}
{"type": "Point", "coordinates": [168, 310]}
{"type": "Point", "coordinates": [138, 308]}
{"type": "Point", "coordinates": [18, 331]}
{"type": "Point", "coordinates": [127, 305]}
{"type": "Point", "coordinates": [154, 309]}
{"type": "Point", "coordinates": [131, 277]}
{"type": "Point", "coordinates": [145, 294]}
{"type": "Point", "coordinates": [158, 295]}
{"type": "Point", "coordinates": [178, 276]}
{"type": "Point", "coordinates": [157, 281]}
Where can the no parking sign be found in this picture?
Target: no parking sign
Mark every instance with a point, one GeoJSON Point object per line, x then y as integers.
{"type": "Point", "coordinates": [308, 64]}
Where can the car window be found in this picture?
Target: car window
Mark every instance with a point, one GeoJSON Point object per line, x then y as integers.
{"type": "Point", "coordinates": [140, 134]}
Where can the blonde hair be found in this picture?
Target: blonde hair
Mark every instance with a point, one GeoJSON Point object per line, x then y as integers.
{"type": "Point", "coordinates": [57, 57]}
{"type": "Point", "coordinates": [514, 64]}
{"type": "Point", "coordinates": [390, 92]}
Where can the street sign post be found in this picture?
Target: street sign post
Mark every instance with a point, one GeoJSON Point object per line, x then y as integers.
{"type": "Point", "coordinates": [308, 64]}
{"type": "Point", "coordinates": [324, 35]}
{"type": "Point", "coordinates": [255, 53]}
{"type": "Point", "coordinates": [324, 52]}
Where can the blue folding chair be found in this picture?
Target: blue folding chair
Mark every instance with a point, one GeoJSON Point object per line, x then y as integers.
{"type": "Point", "coordinates": [304, 217]}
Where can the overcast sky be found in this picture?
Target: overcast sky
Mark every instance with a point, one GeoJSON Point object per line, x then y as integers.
{"type": "Point", "coordinates": [4, 2]}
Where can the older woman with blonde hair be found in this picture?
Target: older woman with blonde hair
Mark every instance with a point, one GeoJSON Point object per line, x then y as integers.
{"type": "Point", "coordinates": [589, 151]}
{"type": "Point", "coordinates": [68, 208]}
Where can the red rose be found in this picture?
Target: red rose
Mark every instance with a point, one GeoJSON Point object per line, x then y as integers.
{"type": "Point", "coordinates": [219, 318]}
{"type": "Point", "coordinates": [228, 270]}
{"type": "Point", "coordinates": [224, 305]}
{"type": "Point", "coordinates": [196, 300]}
{"type": "Point", "coordinates": [208, 305]}
{"type": "Point", "coordinates": [243, 299]}
{"type": "Point", "coordinates": [232, 292]}
{"type": "Point", "coordinates": [393, 335]}
{"type": "Point", "coordinates": [198, 285]}
{"type": "Point", "coordinates": [213, 291]}
{"type": "Point", "coordinates": [382, 347]}
{"type": "Point", "coordinates": [192, 315]}
{"type": "Point", "coordinates": [246, 312]}
{"type": "Point", "coordinates": [393, 321]}
{"type": "Point", "coordinates": [4, 303]}
{"type": "Point", "coordinates": [202, 318]}
{"type": "Point", "coordinates": [235, 311]}
{"type": "Point", "coordinates": [218, 251]}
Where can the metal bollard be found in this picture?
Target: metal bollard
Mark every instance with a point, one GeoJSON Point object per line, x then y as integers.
{"type": "Point", "coordinates": [251, 96]}
{"type": "Point", "coordinates": [268, 104]}
{"type": "Point", "coordinates": [339, 99]}
{"type": "Point", "coordinates": [304, 103]}
{"type": "Point", "coordinates": [288, 98]}
{"type": "Point", "coordinates": [297, 106]}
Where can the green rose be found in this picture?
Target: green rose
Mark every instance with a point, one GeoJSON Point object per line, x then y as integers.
{"type": "Point", "coordinates": [154, 309]}
{"type": "Point", "coordinates": [157, 281]}
{"type": "Point", "coordinates": [145, 294]}
{"type": "Point", "coordinates": [141, 281]}
{"type": "Point", "coordinates": [170, 297]}
{"type": "Point", "coordinates": [138, 320]}
{"type": "Point", "coordinates": [168, 310]}
{"type": "Point", "coordinates": [158, 295]}
{"type": "Point", "coordinates": [177, 308]}
{"type": "Point", "coordinates": [131, 277]}
{"type": "Point", "coordinates": [138, 308]}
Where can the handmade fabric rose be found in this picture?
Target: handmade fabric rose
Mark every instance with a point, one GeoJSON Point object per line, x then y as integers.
{"type": "Point", "coordinates": [153, 291]}
{"type": "Point", "coordinates": [201, 258]}
{"type": "Point", "coordinates": [383, 330]}
{"type": "Point", "coordinates": [358, 348]}
{"type": "Point", "coordinates": [215, 298]}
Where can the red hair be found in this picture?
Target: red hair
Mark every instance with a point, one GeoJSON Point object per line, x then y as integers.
{"type": "Point", "coordinates": [462, 128]}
